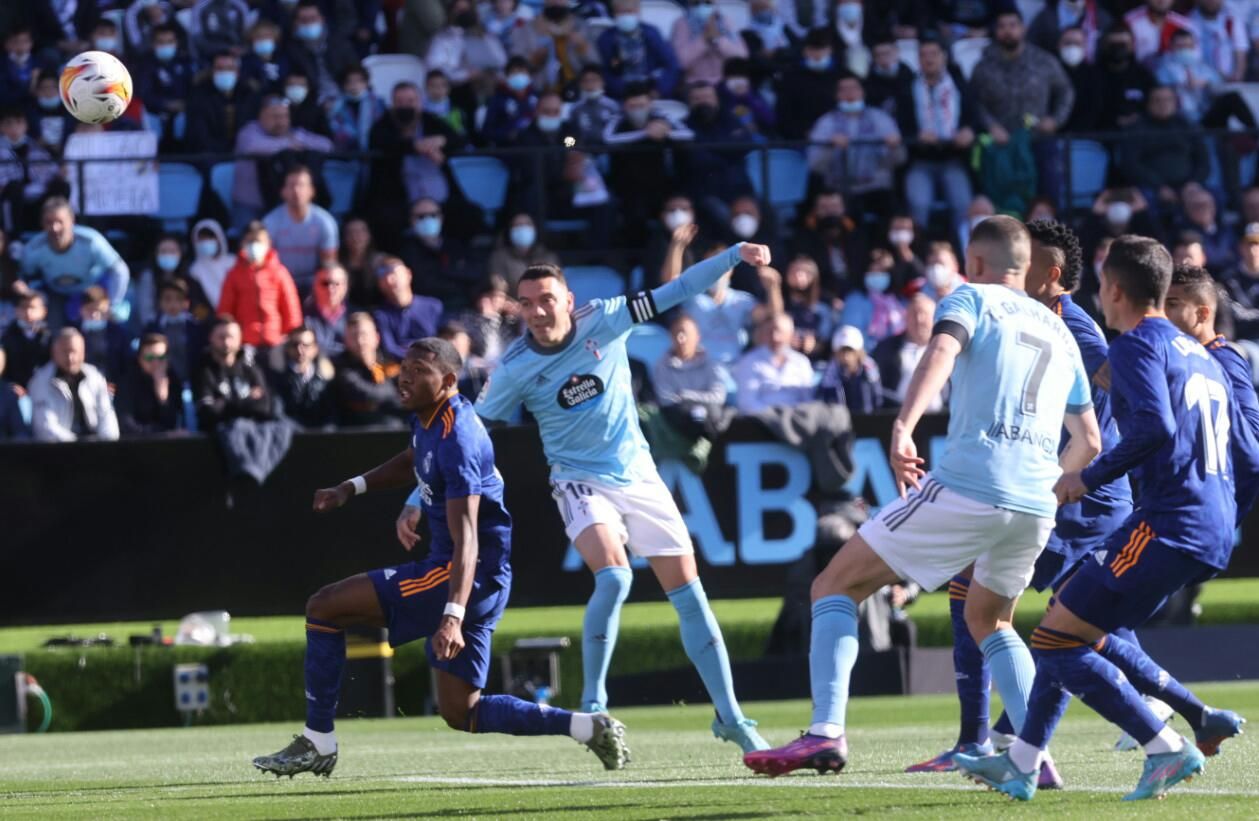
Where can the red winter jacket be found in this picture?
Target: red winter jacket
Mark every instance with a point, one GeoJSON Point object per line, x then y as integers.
{"type": "Point", "coordinates": [262, 298]}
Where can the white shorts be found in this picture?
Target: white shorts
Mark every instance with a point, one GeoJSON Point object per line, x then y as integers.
{"type": "Point", "coordinates": [642, 515]}
{"type": "Point", "coordinates": [933, 534]}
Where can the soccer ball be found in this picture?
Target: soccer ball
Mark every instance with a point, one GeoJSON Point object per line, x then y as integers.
{"type": "Point", "coordinates": [96, 87]}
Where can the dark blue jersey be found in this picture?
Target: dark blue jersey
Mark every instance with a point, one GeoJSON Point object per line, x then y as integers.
{"type": "Point", "coordinates": [1080, 526]}
{"type": "Point", "coordinates": [454, 459]}
{"type": "Point", "coordinates": [1244, 433]}
{"type": "Point", "coordinates": [1171, 400]}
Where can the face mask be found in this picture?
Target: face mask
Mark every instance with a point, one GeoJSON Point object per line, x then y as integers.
{"type": "Point", "coordinates": [852, 106]}
{"type": "Point", "coordinates": [20, 59]}
{"type": "Point", "coordinates": [428, 227]}
{"type": "Point", "coordinates": [90, 325]}
{"type": "Point", "coordinates": [744, 226]}
{"type": "Point", "coordinates": [627, 23]}
{"type": "Point", "coordinates": [256, 251]}
{"type": "Point", "coordinates": [165, 53]}
{"type": "Point", "coordinates": [636, 116]}
{"type": "Point", "coordinates": [18, 143]}
{"type": "Point", "coordinates": [523, 236]}
{"type": "Point", "coordinates": [466, 19]}
{"type": "Point", "coordinates": [518, 81]}
{"type": "Point", "coordinates": [439, 107]}
{"type": "Point", "coordinates": [207, 247]}
{"type": "Point", "coordinates": [1118, 213]}
{"type": "Point", "coordinates": [49, 103]}
{"type": "Point", "coordinates": [878, 281]}
{"type": "Point", "coordinates": [168, 262]}
{"type": "Point", "coordinates": [404, 115]}
{"type": "Point", "coordinates": [849, 13]}
{"type": "Point", "coordinates": [1072, 55]}
{"type": "Point", "coordinates": [593, 94]}
{"type": "Point", "coordinates": [704, 113]}
{"type": "Point", "coordinates": [738, 86]}
{"type": "Point", "coordinates": [830, 223]}
{"type": "Point", "coordinates": [938, 275]}
{"type": "Point", "coordinates": [549, 125]}
{"type": "Point", "coordinates": [356, 96]}
{"type": "Point", "coordinates": [819, 64]}
{"type": "Point", "coordinates": [106, 43]}
{"type": "Point", "coordinates": [702, 13]}
{"type": "Point", "coordinates": [1186, 56]}
{"type": "Point", "coordinates": [225, 81]}
{"type": "Point", "coordinates": [295, 94]}
{"type": "Point", "coordinates": [676, 218]}
{"type": "Point", "coordinates": [310, 31]}
{"type": "Point", "coordinates": [1117, 54]}
{"type": "Point", "coordinates": [900, 237]}
{"type": "Point", "coordinates": [264, 48]}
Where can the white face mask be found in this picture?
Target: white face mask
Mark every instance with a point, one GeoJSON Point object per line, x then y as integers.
{"type": "Point", "coordinates": [744, 226]}
{"type": "Point", "coordinates": [678, 217]}
{"type": "Point", "coordinates": [1072, 55]}
{"type": "Point", "coordinates": [900, 237]}
{"type": "Point", "coordinates": [1118, 213]}
{"type": "Point", "coordinates": [939, 275]}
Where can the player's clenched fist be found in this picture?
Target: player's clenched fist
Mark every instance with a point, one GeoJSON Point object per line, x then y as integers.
{"type": "Point", "coordinates": [754, 254]}
{"type": "Point", "coordinates": [331, 498]}
{"type": "Point", "coordinates": [1070, 488]}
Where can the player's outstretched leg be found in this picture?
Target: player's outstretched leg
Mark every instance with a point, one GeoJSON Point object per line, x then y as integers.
{"type": "Point", "coordinates": [349, 602]}
{"type": "Point", "coordinates": [1161, 708]}
{"type": "Point", "coordinates": [598, 634]}
{"type": "Point", "coordinates": [464, 708]}
{"type": "Point", "coordinates": [705, 647]}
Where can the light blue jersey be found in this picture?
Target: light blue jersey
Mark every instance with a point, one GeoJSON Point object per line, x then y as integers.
{"type": "Point", "coordinates": [579, 391]}
{"type": "Point", "coordinates": [1019, 373]}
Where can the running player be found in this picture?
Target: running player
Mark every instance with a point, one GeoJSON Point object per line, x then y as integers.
{"type": "Point", "coordinates": [1017, 378]}
{"type": "Point", "coordinates": [1172, 402]}
{"type": "Point", "coordinates": [454, 597]}
{"type": "Point", "coordinates": [571, 371]}
{"type": "Point", "coordinates": [1080, 527]}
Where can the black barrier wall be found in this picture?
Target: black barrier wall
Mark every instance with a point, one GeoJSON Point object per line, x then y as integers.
{"type": "Point", "coordinates": [143, 529]}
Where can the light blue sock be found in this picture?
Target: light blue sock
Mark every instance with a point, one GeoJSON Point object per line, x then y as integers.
{"type": "Point", "coordinates": [701, 637]}
{"type": "Point", "coordinates": [1013, 671]}
{"type": "Point", "coordinates": [599, 629]}
{"type": "Point", "coordinates": [832, 654]}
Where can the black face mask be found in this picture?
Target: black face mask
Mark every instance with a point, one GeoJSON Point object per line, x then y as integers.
{"type": "Point", "coordinates": [555, 14]}
{"type": "Point", "coordinates": [831, 224]}
{"type": "Point", "coordinates": [704, 113]}
{"type": "Point", "coordinates": [466, 19]}
{"type": "Point", "coordinates": [1117, 55]}
{"type": "Point", "coordinates": [404, 116]}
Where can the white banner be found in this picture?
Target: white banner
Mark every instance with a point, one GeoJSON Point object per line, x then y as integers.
{"type": "Point", "coordinates": [125, 184]}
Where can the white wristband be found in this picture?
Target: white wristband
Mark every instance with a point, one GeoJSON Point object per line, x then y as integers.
{"type": "Point", "coordinates": [360, 485]}
{"type": "Point", "coordinates": [454, 609]}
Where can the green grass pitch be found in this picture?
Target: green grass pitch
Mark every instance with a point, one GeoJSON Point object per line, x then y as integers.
{"type": "Point", "coordinates": [415, 768]}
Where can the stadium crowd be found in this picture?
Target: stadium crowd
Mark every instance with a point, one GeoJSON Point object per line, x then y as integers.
{"type": "Point", "coordinates": [912, 120]}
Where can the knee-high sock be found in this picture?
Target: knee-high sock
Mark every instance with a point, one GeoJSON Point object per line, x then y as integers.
{"type": "Point", "coordinates": [599, 629]}
{"type": "Point", "coordinates": [325, 661]}
{"type": "Point", "coordinates": [1045, 706]}
{"type": "Point", "coordinates": [970, 669]}
{"type": "Point", "coordinates": [701, 638]}
{"type": "Point", "coordinates": [1127, 635]}
{"type": "Point", "coordinates": [1074, 665]}
{"type": "Point", "coordinates": [515, 716]}
{"type": "Point", "coordinates": [832, 654]}
{"type": "Point", "coordinates": [1149, 678]}
{"type": "Point", "coordinates": [1012, 670]}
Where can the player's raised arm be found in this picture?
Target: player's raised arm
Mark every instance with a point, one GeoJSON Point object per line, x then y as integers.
{"type": "Point", "coordinates": [397, 472]}
{"type": "Point", "coordinates": [702, 275]}
{"type": "Point", "coordinates": [461, 518]}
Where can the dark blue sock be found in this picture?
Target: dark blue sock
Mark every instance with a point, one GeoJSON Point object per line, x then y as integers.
{"type": "Point", "coordinates": [970, 667]}
{"type": "Point", "coordinates": [1045, 706]}
{"type": "Point", "coordinates": [1074, 665]}
{"type": "Point", "coordinates": [1127, 635]}
{"type": "Point", "coordinates": [325, 659]}
{"type": "Point", "coordinates": [515, 716]}
{"type": "Point", "coordinates": [1149, 678]}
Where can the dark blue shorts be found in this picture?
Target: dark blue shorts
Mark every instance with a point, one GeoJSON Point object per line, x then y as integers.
{"type": "Point", "coordinates": [1125, 582]}
{"type": "Point", "coordinates": [1075, 538]}
{"type": "Point", "coordinates": [1049, 567]}
{"type": "Point", "coordinates": [413, 596]}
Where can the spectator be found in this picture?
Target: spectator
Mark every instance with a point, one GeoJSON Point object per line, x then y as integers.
{"type": "Point", "coordinates": [807, 91]}
{"type": "Point", "coordinates": [438, 103]}
{"type": "Point", "coordinates": [1169, 152]}
{"type": "Point", "coordinates": [27, 339]}
{"type": "Point", "coordinates": [304, 235]}
{"type": "Point", "coordinates": [270, 134]}
{"type": "Point", "coordinates": [746, 225]}
{"type": "Point", "coordinates": [259, 292]}
{"type": "Point", "coordinates": [768, 37]}
{"type": "Point", "coordinates": [874, 311]}
{"type": "Point", "coordinates": [318, 51]}
{"type": "Point", "coordinates": [13, 426]}
{"type": "Point", "coordinates": [848, 33]}
{"type": "Point", "coordinates": [168, 262]}
{"type": "Point", "coordinates": [510, 111]}
{"type": "Point", "coordinates": [492, 322]}
{"type": "Point", "coordinates": [503, 17]}
{"type": "Point", "coordinates": [107, 38]}
{"type": "Point", "coordinates": [65, 26]}
{"type": "Point", "coordinates": [772, 374]}
{"type": "Point", "coordinates": [1187, 248]}
{"type": "Point", "coordinates": [404, 317]}
{"type": "Point", "coordinates": [702, 39]}
{"type": "Point", "coordinates": [106, 344]}
{"type": "Point", "coordinates": [1151, 25]}
{"type": "Point", "coordinates": [1200, 215]}
{"type": "Point", "coordinates": [594, 111]}
{"type": "Point", "coordinates": [442, 266]}
{"type": "Point", "coordinates": [66, 258]}
{"type": "Point", "coordinates": [634, 54]}
{"type": "Point", "coordinates": [1086, 16]}
{"type": "Point", "coordinates": [812, 316]}
{"type": "Point", "coordinates": [855, 149]}
{"type": "Point", "coordinates": [150, 399]}
{"type": "Point", "coordinates": [898, 356]}
{"type": "Point", "coordinates": [557, 45]}
{"type": "Point", "coordinates": [326, 309]}
{"type": "Point", "coordinates": [1242, 283]}
{"type": "Point", "coordinates": [229, 384]}
{"type": "Point", "coordinates": [364, 386]}
{"type": "Point", "coordinates": [304, 386]}
{"type": "Point", "coordinates": [690, 386]}
{"type": "Point", "coordinates": [907, 266]}
{"type": "Point", "coordinates": [217, 26]}
{"type": "Point", "coordinates": [69, 398]}
{"type": "Point", "coordinates": [851, 377]}
{"type": "Point", "coordinates": [517, 249]}
{"type": "Point", "coordinates": [19, 69]}
{"type": "Point", "coordinates": [28, 174]}
{"type": "Point", "coordinates": [714, 176]}
{"type": "Point", "coordinates": [354, 112]}
{"type": "Point", "coordinates": [942, 274]}
{"type": "Point", "coordinates": [163, 77]}
{"type": "Point", "coordinates": [358, 256]}
{"type": "Point", "coordinates": [184, 335]}
{"type": "Point", "coordinates": [888, 84]}
{"type": "Point", "coordinates": [473, 374]}
{"type": "Point", "coordinates": [669, 250]}
{"type": "Point", "coordinates": [10, 285]}
{"type": "Point", "coordinates": [1123, 82]}
{"type": "Point", "coordinates": [739, 95]}
{"type": "Point", "coordinates": [218, 105]}
{"type": "Point", "coordinates": [464, 51]}
{"type": "Point", "coordinates": [641, 178]}
{"type": "Point", "coordinates": [304, 112]}
{"type": "Point", "coordinates": [264, 65]}
{"type": "Point", "coordinates": [1118, 211]}
{"type": "Point", "coordinates": [1087, 111]}
{"type": "Point", "coordinates": [1193, 78]}
{"type": "Point", "coordinates": [1223, 36]}
{"type": "Point", "coordinates": [830, 237]}
{"type": "Point", "coordinates": [1250, 205]}
{"type": "Point", "coordinates": [943, 119]}
{"type": "Point", "coordinates": [51, 122]}
{"type": "Point", "coordinates": [212, 259]}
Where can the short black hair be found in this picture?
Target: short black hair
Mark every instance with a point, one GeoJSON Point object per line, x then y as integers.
{"type": "Point", "coordinates": [1055, 235]}
{"type": "Point", "coordinates": [435, 72]}
{"type": "Point", "coordinates": [542, 270]}
{"type": "Point", "coordinates": [590, 68]}
{"type": "Point", "coordinates": [222, 320]}
{"type": "Point", "coordinates": [439, 352]}
{"type": "Point", "coordinates": [516, 62]}
{"type": "Point", "coordinates": [1198, 283]}
{"type": "Point", "coordinates": [165, 28]}
{"type": "Point", "coordinates": [637, 88]}
{"type": "Point", "coordinates": [175, 285]}
{"type": "Point", "coordinates": [819, 37]}
{"type": "Point", "coordinates": [1141, 267]}
{"type": "Point", "coordinates": [348, 72]}
{"type": "Point", "coordinates": [152, 338]}
{"type": "Point", "coordinates": [450, 329]}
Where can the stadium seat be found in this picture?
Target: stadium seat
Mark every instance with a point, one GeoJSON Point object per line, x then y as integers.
{"type": "Point", "coordinates": [179, 195]}
{"type": "Point", "coordinates": [387, 70]}
{"type": "Point", "coordinates": [341, 177]}
{"type": "Point", "coordinates": [222, 177]}
{"type": "Point", "coordinates": [789, 179]}
{"type": "Point", "coordinates": [647, 343]}
{"type": "Point", "coordinates": [908, 53]}
{"type": "Point", "coordinates": [589, 282]}
{"type": "Point", "coordinates": [662, 14]}
{"type": "Point", "coordinates": [967, 52]}
{"type": "Point", "coordinates": [1089, 162]}
{"type": "Point", "coordinates": [483, 181]}
{"type": "Point", "coordinates": [735, 12]}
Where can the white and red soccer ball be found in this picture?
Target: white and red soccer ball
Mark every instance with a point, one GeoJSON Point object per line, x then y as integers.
{"type": "Point", "coordinates": [96, 87]}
